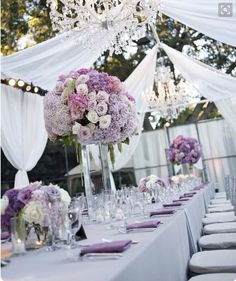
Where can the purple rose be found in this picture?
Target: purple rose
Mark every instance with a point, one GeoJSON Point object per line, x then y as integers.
{"type": "Point", "coordinates": [53, 191]}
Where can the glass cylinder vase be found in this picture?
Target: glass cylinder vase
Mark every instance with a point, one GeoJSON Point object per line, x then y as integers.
{"type": "Point", "coordinates": [187, 169]}
{"type": "Point", "coordinates": [87, 177]}
{"type": "Point", "coordinates": [18, 235]}
{"type": "Point", "coordinates": [105, 166]}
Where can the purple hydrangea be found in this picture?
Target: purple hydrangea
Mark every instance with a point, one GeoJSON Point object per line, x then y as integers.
{"type": "Point", "coordinates": [184, 150]}
{"type": "Point", "coordinates": [116, 118]}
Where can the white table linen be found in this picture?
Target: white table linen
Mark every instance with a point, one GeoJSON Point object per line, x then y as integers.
{"type": "Point", "coordinates": [159, 255]}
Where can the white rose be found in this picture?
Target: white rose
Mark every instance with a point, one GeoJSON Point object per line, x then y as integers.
{"type": "Point", "coordinates": [4, 204]}
{"type": "Point", "coordinates": [92, 96]}
{"type": "Point", "coordinates": [33, 212]}
{"type": "Point", "coordinates": [82, 79]}
{"type": "Point", "coordinates": [65, 197]}
{"type": "Point", "coordinates": [76, 128]}
{"type": "Point", "coordinates": [92, 116]}
{"type": "Point", "coordinates": [104, 121]}
{"type": "Point", "coordinates": [82, 89]}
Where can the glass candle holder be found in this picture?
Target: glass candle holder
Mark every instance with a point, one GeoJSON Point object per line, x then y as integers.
{"type": "Point", "coordinates": [18, 235]}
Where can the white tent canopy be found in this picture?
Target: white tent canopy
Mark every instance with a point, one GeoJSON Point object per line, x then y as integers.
{"type": "Point", "coordinates": [44, 62]}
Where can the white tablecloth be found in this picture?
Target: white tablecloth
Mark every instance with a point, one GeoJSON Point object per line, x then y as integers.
{"type": "Point", "coordinates": [160, 255]}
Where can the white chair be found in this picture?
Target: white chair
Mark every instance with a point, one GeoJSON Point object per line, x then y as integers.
{"type": "Point", "coordinates": [220, 209]}
{"type": "Point", "coordinates": [217, 219]}
{"type": "Point", "coordinates": [218, 215]}
{"type": "Point", "coordinates": [225, 227]}
{"type": "Point", "coordinates": [217, 261]}
{"type": "Point", "coordinates": [220, 195]}
{"type": "Point", "coordinates": [221, 205]}
{"type": "Point", "coordinates": [219, 201]}
{"type": "Point", "coordinates": [218, 241]}
{"type": "Point", "coordinates": [215, 277]}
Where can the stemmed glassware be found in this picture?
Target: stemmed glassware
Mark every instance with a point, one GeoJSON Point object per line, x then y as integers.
{"type": "Point", "coordinates": [75, 219]}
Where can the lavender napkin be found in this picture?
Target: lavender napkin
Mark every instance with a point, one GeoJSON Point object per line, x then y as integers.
{"type": "Point", "coordinates": [5, 235]}
{"type": "Point", "coordinates": [186, 196]}
{"type": "Point", "coordinates": [145, 224]}
{"type": "Point", "coordinates": [172, 205]}
{"type": "Point", "coordinates": [107, 247]}
{"type": "Point", "coordinates": [162, 212]}
{"type": "Point", "coordinates": [192, 192]}
{"type": "Point", "coordinates": [181, 200]}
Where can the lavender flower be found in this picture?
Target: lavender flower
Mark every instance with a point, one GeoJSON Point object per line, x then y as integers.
{"type": "Point", "coordinates": [88, 96]}
{"type": "Point", "coordinates": [184, 150]}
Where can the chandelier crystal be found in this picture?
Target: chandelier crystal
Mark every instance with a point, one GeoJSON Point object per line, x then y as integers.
{"type": "Point", "coordinates": [169, 100]}
{"type": "Point", "coordinates": [117, 22]}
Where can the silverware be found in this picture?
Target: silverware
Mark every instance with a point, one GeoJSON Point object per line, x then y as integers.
{"type": "Point", "coordinates": [124, 231]}
{"type": "Point", "coordinates": [101, 256]}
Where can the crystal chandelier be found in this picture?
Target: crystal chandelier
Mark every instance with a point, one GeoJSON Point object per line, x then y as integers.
{"type": "Point", "coordinates": [170, 99]}
{"type": "Point", "coordinates": [117, 22]}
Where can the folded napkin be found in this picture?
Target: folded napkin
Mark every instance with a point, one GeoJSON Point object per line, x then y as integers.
{"type": "Point", "coordinates": [107, 247]}
{"type": "Point", "coordinates": [145, 224]}
{"type": "Point", "coordinates": [200, 186]}
{"type": "Point", "coordinates": [181, 200]}
{"type": "Point", "coordinates": [162, 212]}
{"type": "Point", "coordinates": [5, 235]}
{"type": "Point", "coordinates": [188, 193]}
{"type": "Point", "coordinates": [186, 196]}
{"type": "Point", "coordinates": [172, 205]}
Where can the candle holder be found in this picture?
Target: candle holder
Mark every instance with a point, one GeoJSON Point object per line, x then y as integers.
{"type": "Point", "coordinates": [18, 235]}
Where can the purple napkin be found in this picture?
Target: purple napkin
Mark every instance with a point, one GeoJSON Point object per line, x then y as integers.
{"type": "Point", "coordinates": [181, 200]}
{"type": "Point", "coordinates": [162, 212]}
{"type": "Point", "coordinates": [172, 205]}
{"type": "Point", "coordinates": [145, 224]}
{"type": "Point", "coordinates": [200, 186]}
{"type": "Point", "coordinates": [186, 196]}
{"type": "Point", "coordinates": [107, 247]}
{"type": "Point", "coordinates": [188, 193]}
{"type": "Point", "coordinates": [5, 235]}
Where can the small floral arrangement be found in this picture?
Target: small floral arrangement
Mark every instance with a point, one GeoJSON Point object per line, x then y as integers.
{"type": "Point", "coordinates": [184, 150]}
{"type": "Point", "coordinates": [151, 182]}
{"type": "Point", "coordinates": [90, 107]}
{"type": "Point", "coordinates": [38, 204]}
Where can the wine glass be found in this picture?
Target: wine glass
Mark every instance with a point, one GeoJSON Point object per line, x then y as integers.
{"type": "Point", "coordinates": [75, 218]}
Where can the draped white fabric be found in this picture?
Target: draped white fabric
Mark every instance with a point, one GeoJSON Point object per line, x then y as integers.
{"type": "Point", "coordinates": [209, 82]}
{"type": "Point", "coordinates": [203, 16]}
{"type": "Point", "coordinates": [23, 132]}
{"type": "Point", "coordinates": [227, 108]}
{"type": "Point", "coordinates": [139, 82]}
{"type": "Point", "coordinates": [44, 62]}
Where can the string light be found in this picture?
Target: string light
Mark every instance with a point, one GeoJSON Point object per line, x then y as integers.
{"type": "Point", "coordinates": [12, 82]}
{"type": "Point", "coordinates": [24, 86]}
{"type": "Point", "coordinates": [20, 83]}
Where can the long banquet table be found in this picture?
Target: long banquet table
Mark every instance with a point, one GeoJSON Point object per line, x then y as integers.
{"type": "Point", "coordinates": [161, 255]}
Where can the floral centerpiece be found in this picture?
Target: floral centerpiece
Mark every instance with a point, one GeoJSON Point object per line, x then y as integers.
{"type": "Point", "coordinates": [90, 107]}
{"type": "Point", "coordinates": [184, 150]}
{"type": "Point", "coordinates": [39, 205]}
{"type": "Point", "coordinates": [151, 182]}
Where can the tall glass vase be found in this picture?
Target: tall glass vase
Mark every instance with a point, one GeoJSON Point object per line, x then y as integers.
{"type": "Point", "coordinates": [105, 166]}
{"type": "Point", "coordinates": [87, 177]}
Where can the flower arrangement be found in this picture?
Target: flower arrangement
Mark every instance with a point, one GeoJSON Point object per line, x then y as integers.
{"type": "Point", "coordinates": [37, 204]}
{"type": "Point", "coordinates": [151, 182]}
{"type": "Point", "coordinates": [89, 107]}
{"type": "Point", "coordinates": [184, 150]}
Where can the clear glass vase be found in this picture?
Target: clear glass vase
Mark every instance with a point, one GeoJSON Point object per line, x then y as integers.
{"type": "Point", "coordinates": [86, 172]}
{"type": "Point", "coordinates": [18, 235]}
{"type": "Point", "coordinates": [187, 169]}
